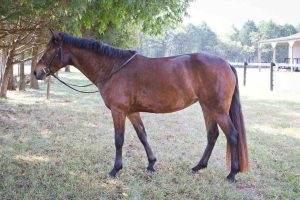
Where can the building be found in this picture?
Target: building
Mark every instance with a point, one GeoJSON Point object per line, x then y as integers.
{"type": "Point", "coordinates": [294, 47]}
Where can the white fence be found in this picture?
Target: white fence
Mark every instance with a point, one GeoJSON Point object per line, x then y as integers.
{"type": "Point", "coordinates": [293, 67]}
{"type": "Point", "coordinates": [266, 66]}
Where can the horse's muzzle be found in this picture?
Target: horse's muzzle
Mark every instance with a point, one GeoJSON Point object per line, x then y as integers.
{"type": "Point", "coordinates": [39, 74]}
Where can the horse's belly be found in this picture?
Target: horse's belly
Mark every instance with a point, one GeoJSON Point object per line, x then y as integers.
{"type": "Point", "coordinates": [163, 105]}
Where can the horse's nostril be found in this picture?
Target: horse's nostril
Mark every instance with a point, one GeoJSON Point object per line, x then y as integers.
{"type": "Point", "coordinates": [34, 72]}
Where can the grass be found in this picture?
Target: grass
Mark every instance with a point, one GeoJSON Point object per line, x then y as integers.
{"type": "Point", "coordinates": [64, 148]}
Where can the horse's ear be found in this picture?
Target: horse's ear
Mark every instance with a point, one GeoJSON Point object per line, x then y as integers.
{"type": "Point", "coordinates": [56, 37]}
{"type": "Point", "coordinates": [51, 31]}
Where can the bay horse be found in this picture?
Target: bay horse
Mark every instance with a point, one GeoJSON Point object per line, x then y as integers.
{"type": "Point", "coordinates": [130, 83]}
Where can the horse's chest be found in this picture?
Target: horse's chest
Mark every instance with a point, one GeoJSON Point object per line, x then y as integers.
{"type": "Point", "coordinates": [117, 97]}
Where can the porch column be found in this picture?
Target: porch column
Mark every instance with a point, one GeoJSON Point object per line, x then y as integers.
{"type": "Point", "coordinates": [291, 53]}
{"type": "Point", "coordinates": [274, 44]}
{"type": "Point", "coordinates": [259, 55]}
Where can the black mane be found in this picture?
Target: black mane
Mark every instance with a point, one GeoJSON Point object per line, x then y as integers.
{"type": "Point", "coordinates": [95, 45]}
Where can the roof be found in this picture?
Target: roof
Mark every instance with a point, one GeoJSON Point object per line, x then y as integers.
{"type": "Point", "coordinates": [295, 37]}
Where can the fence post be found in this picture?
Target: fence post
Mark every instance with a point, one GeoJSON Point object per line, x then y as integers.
{"type": "Point", "coordinates": [272, 76]}
{"type": "Point", "coordinates": [245, 72]}
{"type": "Point", "coordinates": [48, 87]}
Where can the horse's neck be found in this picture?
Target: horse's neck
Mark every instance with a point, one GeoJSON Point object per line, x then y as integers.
{"type": "Point", "coordinates": [94, 66]}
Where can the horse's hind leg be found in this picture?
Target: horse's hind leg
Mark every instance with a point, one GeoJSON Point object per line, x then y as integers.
{"type": "Point", "coordinates": [141, 132]}
{"type": "Point", "coordinates": [228, 128]}
{"type": "Point", "coordinates": [212, 135]}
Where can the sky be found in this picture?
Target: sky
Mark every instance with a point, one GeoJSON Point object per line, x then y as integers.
{"type": "Point", "coordinates": [220, 15]}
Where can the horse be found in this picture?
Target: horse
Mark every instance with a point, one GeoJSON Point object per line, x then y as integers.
{"type": "Point", "coordinates": [130, 83]}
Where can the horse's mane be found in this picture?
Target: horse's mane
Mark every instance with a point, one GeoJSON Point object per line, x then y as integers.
{"type": "Point", "coordinates": [95, 45]}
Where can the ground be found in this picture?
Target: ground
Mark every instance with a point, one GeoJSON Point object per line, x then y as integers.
{"type": "Point", "coordinates": [63, 148]}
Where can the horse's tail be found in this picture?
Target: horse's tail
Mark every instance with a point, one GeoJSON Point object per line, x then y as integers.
{"type": "Point", "coordinates": [237, 118]}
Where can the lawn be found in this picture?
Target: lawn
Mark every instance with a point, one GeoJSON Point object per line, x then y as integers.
{"type": "Point", "coordinates": [64, 148]}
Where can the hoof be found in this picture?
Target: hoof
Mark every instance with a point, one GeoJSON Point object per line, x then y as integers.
{"type": "Point", "coordinates": [111, 175]}
{"type": "Point", "coordinates": [194, 171]}
{"type": "Point", "coordinates": [114, 171]}
{"type": "Point", "coordinates": [150, 170]}
{"type": "Point", "coordinates": [197, 168]}
{"type": "Point", "coordinates": [231, 179]}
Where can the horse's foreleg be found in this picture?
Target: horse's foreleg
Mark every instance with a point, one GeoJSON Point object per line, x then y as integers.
{"type": "Point", "coordinates": [212, 135]}
{"type": "Point", "coordinates": [119, 125]}
{"type": "Point", "coordinates": [141, 132]}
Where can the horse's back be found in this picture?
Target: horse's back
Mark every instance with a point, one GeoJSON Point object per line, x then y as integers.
{"type": "Point", "coordinates": [169, 84]}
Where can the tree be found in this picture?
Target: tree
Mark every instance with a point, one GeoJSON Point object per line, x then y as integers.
{"type": "Point", "coordinates": [287, 29]}
{"type": "Point", "coordinates": [20, 27]}
{"type": "Point", "coordinates": [21, 39]}
{"type": "Point", "coordinates": [23, 24]}
{"type": "Point", "coordinates": [152, 16]}
{"type": "Point", "coordinates": [248, 36]}
{"type": "Point", "coordinates": [298, 28]}
{"type": "Point", "coordinates": [234, 33]}
{"type": "Point", "coordinates": [180, 43]}
{"type": "Point", "coordinates": [22, 75]}
{"type": "Point", "coordinates": [33, 80]}
{"type": "Point", "coordinates": [151, 45]}
{"type": "Point", "coordinates": [230, 50]}
{"type": "Point", "coordinates": [184, 39]}
{"type": "Point", "coordinates": [248, 28]}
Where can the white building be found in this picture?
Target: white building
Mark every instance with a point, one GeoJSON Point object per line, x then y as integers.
{"type": "Point", "coordinates": [294, 47]}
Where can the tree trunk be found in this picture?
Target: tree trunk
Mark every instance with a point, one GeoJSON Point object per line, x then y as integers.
{"type": "Point", "coordinates": [33, 81]}
{"type": "Point", "coordinates": [11, 82]}
{"type": "Point", "coordinates": [6, 78]}
{"type": "Point", "coordinates": [22, 75]}
{"type": "Point", "coordinates": [3, 57]}
{"type": "Point", "coordinates": [67, 69]}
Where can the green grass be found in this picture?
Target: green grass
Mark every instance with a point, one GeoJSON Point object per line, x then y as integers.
{"type": "Point", "coordinates": [64, 148]}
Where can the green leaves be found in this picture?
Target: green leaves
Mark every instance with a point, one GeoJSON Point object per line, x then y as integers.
{"type": "Point", "coordinates": [94, 17]}
{"type": "Point", "coordinates": [185, 39]}
{"type": "Point", "coordinates": [151, 14]}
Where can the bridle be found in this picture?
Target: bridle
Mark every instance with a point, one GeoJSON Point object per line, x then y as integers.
{"type": "Point", "coordinates": [47, 70]}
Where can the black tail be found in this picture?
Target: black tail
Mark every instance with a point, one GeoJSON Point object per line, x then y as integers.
{"type": "Point", "coordinates": [237, 118]}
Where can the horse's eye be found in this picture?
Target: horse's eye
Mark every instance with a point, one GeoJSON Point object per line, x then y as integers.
{"type": "Point", "coordinates": [55, 41]}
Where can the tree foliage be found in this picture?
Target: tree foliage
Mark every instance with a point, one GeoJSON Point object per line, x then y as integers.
{"type": "Point", "coordinates": [186, 39]}
{"type": "Point", "coordinates": [24, 24]}
{"type": "Point", "coordinates": [239, 45]}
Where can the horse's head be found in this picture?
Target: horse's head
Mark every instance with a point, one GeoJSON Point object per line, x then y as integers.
{"type": "Point", "coordinates": [53, 59]}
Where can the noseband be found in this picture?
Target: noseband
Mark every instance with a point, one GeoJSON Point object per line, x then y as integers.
{"type": "Point", "coordinates": [47, 69]}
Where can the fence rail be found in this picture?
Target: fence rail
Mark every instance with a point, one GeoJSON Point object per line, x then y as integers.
{"type": "Point", "coordinates": [265, 65]}
{"type": "Point", "coordinates": [271, 65]}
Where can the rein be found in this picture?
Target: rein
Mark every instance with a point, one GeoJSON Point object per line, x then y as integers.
{"type": "Point", "coordinates": [70, 86]}
{"type": "Point", "coordinates": [115, 70]}
{"type": "Point", "coordinates": [50, 72]}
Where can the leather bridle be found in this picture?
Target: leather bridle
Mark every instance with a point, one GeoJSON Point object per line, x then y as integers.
{"type": "Point", "coordinates": [47, 70]}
